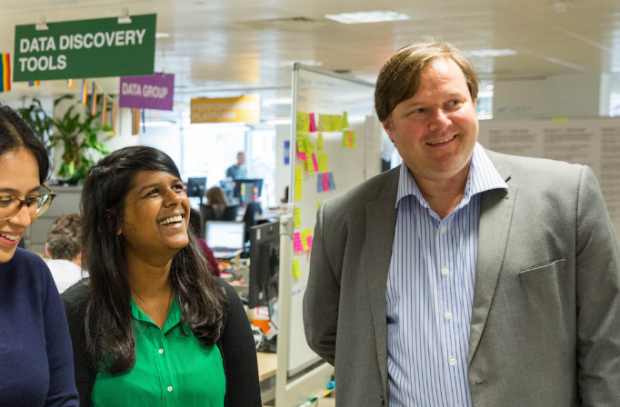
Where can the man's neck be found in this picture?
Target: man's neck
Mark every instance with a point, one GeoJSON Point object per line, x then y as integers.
{"type": "Point", "coordinates": [443, 195]}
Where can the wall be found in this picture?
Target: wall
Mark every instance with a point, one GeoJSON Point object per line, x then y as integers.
{"type": "Point", "coordinates": [572, 95]}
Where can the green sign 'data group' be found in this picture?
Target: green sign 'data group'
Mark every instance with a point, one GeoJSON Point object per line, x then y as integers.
{"type": "Point", "coordinates": [85, 49]}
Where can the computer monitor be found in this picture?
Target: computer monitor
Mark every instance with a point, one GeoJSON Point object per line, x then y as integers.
{"type": "Point", "coordinates": [264, 263]}
{"type": "Point", "coordinates": [243, 186]}
{"type": "Point", "coordinates": [196, 187]}
{"type": "Point", "coordinates": [226, 239]}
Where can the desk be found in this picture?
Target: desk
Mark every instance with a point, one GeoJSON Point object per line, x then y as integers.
{"type": "Point", "coordinates": [267, 365]}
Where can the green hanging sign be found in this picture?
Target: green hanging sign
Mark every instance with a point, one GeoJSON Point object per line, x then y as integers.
{"type": "Point", "coordinates": [85, 49]}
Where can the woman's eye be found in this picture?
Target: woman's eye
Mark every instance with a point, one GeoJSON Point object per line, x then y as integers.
{"type": "Point", "coordinates": [178, 188]}
{"type": "Point", "coordinates": [153, 192]}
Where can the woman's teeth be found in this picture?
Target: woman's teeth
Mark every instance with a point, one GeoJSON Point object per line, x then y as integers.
{"type": "Point", "coordinates": [10, 237]}
{"type": "Point", "coordinates": [173, 219]}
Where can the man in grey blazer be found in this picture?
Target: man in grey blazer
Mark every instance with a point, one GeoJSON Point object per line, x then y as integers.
{"type": "Point", "coordinates": [464, 277]}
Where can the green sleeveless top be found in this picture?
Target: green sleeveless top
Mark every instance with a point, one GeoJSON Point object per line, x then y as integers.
{"type": "Point", "coordinates": [171, 369]}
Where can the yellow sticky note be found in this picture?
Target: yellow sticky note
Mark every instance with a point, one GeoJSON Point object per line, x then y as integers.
{"type": "Point", "coordinates": [300, 121]}
{"type": "Point", "coordinates": [323, 162]}
{"type": "Point", "coordinates": [310, 166]}
{"type": "Point", "coordinates": [306, 122]}
{"type": "Point", "coordinates": [560, 119]}
{"type": "Point", "coordinates": [327, 123]}
{"type": "Point", "coordinates": [299, 180]}
{"type": "Point", "coordinates": [301, 142]}
{"type": "Point", "coordinates": [297, 217]}
{"type": "Point", "coordinates": [321, 126]}
{"type": "Point", "coordinates": [310, 147]}
{"type": "Point", "coordinates": [296, 269]}
{"type": "Point", "coordinates": [318, 205]}
{"type": "Point", "coordinates": [319, 143]}
{"type": "Point", "coordinates": [353, 139]}
{"type": "Point", "coordinates": [345, 139]}
{"type": "Point", "coordinates": [337, 123]}
{"type": "Point", "coordinates": [307, 144]}
{"type": "Point", "coordinates": [345, 121]}
{"type": "Point", "coordinates": [304, 238]}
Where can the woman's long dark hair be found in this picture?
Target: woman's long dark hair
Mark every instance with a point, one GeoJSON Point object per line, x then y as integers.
{"type": "Point", "coordinates": [15, 134]}
{"type": "Point", "coordinates": [109, 334]}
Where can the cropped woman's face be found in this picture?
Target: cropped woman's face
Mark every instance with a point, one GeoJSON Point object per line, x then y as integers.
{"type": "Point", "coordinates": [19, 177]}
{"type": "Point", "coordinates": [156, 216]}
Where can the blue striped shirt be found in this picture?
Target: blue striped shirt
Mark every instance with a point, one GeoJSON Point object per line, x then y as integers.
{"type": "Point", "coordinates": [430, 291]}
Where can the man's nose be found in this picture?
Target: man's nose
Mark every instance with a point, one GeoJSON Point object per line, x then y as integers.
{"type": "Point", "coordinates": [439, 121]}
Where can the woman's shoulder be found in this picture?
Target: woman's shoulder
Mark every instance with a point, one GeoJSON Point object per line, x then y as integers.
{"type": "Point", "coordinates": [27, 267]}
{"type": "Point", "coordinates": [76, 297]}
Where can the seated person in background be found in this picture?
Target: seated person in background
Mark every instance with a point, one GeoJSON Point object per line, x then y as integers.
{"type": "Point", "coordinates": [217, 200]}
{"type": "Point", "coordinates": [64, 246]}
{"type": "Point", "coordinates": [194, 225]}
{"type": "Point", "coordinates": [151, 326]}
{"type": "Point", "coordinates": [237, 170]}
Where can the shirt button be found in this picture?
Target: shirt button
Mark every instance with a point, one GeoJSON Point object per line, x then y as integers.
{"type": "Point", "coordinates": [452, 362]}
{"type": "Point", "coordinates": [169, 388]}
{"type": "Point", "coordinates": [444, 271]}
{"type": "Point", "coordinates": [443, 229]}
{"type": "Point", "coordinates": [161, 351]}
{"type": "Point", "coordinates": [448, 315]}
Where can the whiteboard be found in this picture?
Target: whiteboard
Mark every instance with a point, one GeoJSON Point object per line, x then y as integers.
{"type": "Point", "coordinates": [321, 92]}
{"type": "Point", "coordinates": [594, 142]}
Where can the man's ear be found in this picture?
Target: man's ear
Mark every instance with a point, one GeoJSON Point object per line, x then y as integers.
{"type": "Point", "coordinates": [47, 252]}
{"type": "Point", "coordinates": [388, 126]}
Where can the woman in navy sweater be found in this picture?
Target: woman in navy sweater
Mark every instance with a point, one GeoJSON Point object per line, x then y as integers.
{"type": "Point", "coordinates": [36, 362]}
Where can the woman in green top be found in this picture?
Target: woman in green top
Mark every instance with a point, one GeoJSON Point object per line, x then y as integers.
{"type": "Point", "coordinates": [152, 327]}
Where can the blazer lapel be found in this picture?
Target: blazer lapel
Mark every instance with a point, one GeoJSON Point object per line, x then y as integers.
{"type": "Point", "coordinates": [496, 209]}
{"type": "Point", "coordinates": [380, 226]}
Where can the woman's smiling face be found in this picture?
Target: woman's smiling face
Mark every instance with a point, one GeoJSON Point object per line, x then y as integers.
{"type": "Point", "coordinates": [156, 215]}
{"type": "Point", "coordinates": [19, 177]}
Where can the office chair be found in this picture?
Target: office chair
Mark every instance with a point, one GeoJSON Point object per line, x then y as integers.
{"type": "Point", "coordinates": [207, 213]}
{"type": "Point", "coordinates": [251, 218]}
{"type": "Point", "coordinates": [230, 213]}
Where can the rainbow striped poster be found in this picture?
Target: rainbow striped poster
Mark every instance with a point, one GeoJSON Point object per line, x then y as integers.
{"type": "Point", "coordinates": [5, 72]}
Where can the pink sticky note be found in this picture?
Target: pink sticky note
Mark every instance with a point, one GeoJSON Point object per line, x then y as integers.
{"type": "Point", "coordinates": [312, 123]}
{"type": "Point", "coordinates": [325, 182]}
{"type": "Point", "coordinates": [315, 162]}
{"type": "Point", "coordinates": [297, 245]}
{"type": "Point", "coordinates": [302, 156]}
{"type": "Point", "coordinates": [309, 240]}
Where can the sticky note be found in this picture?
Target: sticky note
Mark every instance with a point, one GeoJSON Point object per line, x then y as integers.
{"type": "Point", "coordinates": [309, 147]}
{"type": "Point", "coordinates": [299, 180]}
{"type": "Point", "coordinates": [337, 123]}
{"type": "Point", "coordinates": [319, 183]}
{"type": "Point", "coordinates": [315, 163]}
{"type": "Point", "coordinates": [301, 142]}
{"type": "Point", "coordinates": [302, 156]}
{"type": "Point", "coordinates": [307, 144]}
{"type": "Point", "coordinates": [349, 139]}
{"type": "Point", "coordinates": [312, 123]}
{"type": "Point", "coordinates": [297, 244]}
{"type": "Point", "coordinates": [353, 138]}
{"type": "Point", "coordinates": [310, 166]}
{"type": "Point", "coordinates": [323, 162]}
{"type": "Point", "coordinates": [319, 143]}
{"type": "Point", "coordinates": [297, 217]}
{"type": "Point", "coordinates": [296, 269]}
{"type": "Point", "coordinates": [332, 183]}
{"type": "Point", "coordinates": [304, 238]}
{"type": "Point", "coordinates": [321, 126]}
{"type": "Point", "coordinates": [345, 121]}
{"type": "Point", "coordinates": [318, 205]}
{"type": "Point", "coordinates": [325, 182]}
{"type": "Point", "coordinates": [327, 123]}
{"type": "Point", "coordinates": [300, 121]}
{"type": "Point", "coordinates": [309, 239]}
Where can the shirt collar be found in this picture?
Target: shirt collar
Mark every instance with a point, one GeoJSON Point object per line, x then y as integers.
{"type": "Point", "coordinates": [174, 315]}
{"type": "Point", "coordinates": [483, 176]}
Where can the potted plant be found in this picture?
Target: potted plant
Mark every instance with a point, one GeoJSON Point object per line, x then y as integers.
{"type": "Point", "coordinates": [38, 120]}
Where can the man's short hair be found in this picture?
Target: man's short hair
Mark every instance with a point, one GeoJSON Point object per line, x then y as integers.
{"type": "Point", "coordinates": [64, 240]}
{"type": "Point", "coordinates": [399, 78]}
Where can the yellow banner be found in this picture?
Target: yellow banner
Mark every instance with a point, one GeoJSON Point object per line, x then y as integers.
{"type": "Point", "coordinates": [244, 109]}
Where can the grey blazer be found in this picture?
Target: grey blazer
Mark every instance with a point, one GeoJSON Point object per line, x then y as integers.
{"type": "Point", "coordinates": [545, 328]}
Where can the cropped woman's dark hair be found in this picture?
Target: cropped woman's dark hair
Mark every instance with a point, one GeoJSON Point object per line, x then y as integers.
{"type": "Point", "coordinates": [109, 334]}
{"type": "Point", "coordinates": [15, 134]}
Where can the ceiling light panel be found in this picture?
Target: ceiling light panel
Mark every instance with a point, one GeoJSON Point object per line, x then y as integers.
{"type": "Point", "coordinates": [367, 17]}
{"type": "Point", "coordinates": [485, 53]}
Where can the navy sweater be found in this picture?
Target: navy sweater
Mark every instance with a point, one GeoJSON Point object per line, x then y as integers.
{"type": "Point", "coordinates": [36, 357]}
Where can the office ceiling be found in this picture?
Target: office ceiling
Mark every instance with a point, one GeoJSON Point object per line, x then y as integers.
{"type": "Point", "coordinates": [235, 44]}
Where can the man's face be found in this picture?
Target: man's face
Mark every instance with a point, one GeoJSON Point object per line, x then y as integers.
{"type": "Point", "coordinates": [435, 130]}
{"type": "Point", "coordinates": [240, 158]}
